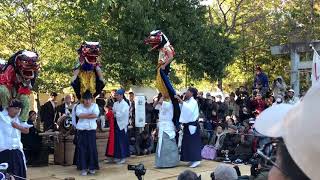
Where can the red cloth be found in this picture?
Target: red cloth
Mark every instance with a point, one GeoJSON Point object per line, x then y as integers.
{"type": "Point", "coordinates": [24, 90]}
{"type": "Point", "coordinates": [8, 77]}
{"type": "Point", "coordinates": [110, 145]}
{"type": "Point", "coordinates": [259, 105]}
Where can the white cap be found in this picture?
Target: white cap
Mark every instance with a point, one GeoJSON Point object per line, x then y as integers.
{"type": "Point", "coordinates": [298, 125]}
{"type": "Point", "coordinates": [291, 90]}
{"type": "Point", "coordinates": [29, 53]}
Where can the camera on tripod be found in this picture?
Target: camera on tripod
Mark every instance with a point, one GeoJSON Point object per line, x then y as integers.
{"type": "Point", "coordinates": [139, 170]}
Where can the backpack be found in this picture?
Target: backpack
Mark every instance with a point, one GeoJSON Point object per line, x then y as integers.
{"type": "Point", "coordinates": [209, 152]}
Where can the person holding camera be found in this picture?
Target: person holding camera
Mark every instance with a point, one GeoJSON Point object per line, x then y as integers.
{"type": "Point", "coordinates": [167, 150]}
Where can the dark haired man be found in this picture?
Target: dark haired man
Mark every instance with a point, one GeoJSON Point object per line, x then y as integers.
{"type": "Point", "coordinates": [88, 113]}
{"type": "Point", "coordinates": [48, 112]}
{"type": "Point", "coordinates": [191, 140]}
{"type": "Point", "coordinates": [11, 148]}
{"type": "Point", "coordinates": [121, 113]}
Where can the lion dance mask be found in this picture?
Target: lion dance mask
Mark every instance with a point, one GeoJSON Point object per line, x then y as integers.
{"type": "Point", "coordinates": [159, 41]}
{"type": "Point", "coordinates": [17, 78]}
{"type": "Point", "coordinates": [87, 73]}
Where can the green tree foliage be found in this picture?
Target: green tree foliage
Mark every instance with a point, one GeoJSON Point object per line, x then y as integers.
{"type": "Point", "coordinates": [256, 26]}
{"type": "Point", "coordinates": [55, 28]}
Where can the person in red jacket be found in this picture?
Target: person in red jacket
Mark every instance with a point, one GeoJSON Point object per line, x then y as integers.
{"type": "Point", "coordinates": [110, 119]}
{"type": "Point", "coordinates": [258, 104]}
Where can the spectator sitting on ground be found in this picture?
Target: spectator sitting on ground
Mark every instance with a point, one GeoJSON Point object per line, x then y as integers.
{"type": "Point", "coordinates": [290, 98]}
{"type": "Point", "coordinates": [188, 175]}
{"type": "Point", "coordinates": [144, 144]}
{"type": "Point", "coordinates": [245, 114]}
{"type": "Point", "coordinates": [224, 172]}
{"type": "Point", "coordinates": [279, 87]}
{"type": "Point", "coordinates": [278, 100]}
{"type": "Point", "coordinates": [222, 108]}
{"type": "Point", "coordinates": [269, 101]}
{"type": "Point", "coordinates": [236, 121]}
{"type": "Point", "coordinates": [230, 142]}
{"type": "Point", "coordinates": [229, 121]}
{"type": "Point", "coordinates": [243, 151]}
{"type": "Point", "coordinates": [218, 137]}
{"type": "Point", "coordinates": [233, 107]}
{"type": "Point", "coordinates": [32, 142]}
{"type": "Point", "coordinates": [258, 103]}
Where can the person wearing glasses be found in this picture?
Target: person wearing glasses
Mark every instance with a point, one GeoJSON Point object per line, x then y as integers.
{"type": "Point", "coordinates": [295, 128]}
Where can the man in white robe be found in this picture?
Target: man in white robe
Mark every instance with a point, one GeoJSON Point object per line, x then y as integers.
{"type": "Point", "coordinates": [11, 148]}
{"type": "Point", "coordinates": [121, 113]}
{"type": "Point", "coordinates": [167, 154]}
{"type": "Point", "coordinates": [191, 141]}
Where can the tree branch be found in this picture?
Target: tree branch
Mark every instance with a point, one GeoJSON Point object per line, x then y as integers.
{"type": "Point", "coordinates": [234, 18]}
{"type": "Point", "coordinates": [223, 14]}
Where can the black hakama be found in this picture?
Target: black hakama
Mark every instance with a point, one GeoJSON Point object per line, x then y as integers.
{"type": "Point", "coordinates": [16, 163]}
{"type": "Point", "coordinates": [87, 157]}
{"type": "Point", "coordinates": [121, 145]}
{"type": "Point", "coordinates": [191, 144]}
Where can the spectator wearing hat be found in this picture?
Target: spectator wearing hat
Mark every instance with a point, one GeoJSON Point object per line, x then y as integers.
{"type": "Point", "coordinates": [87, 154]}
{"type": "Point", "coordinates": [261, 81]}
{"type": "Point", "coordinates": [121, 113]}
{"type": "Point", "coordinates": [231, 141]}
{"type": "Point", "coordinates": [291, 99]}
{"type": "Point", "coordinates": [297, 156]}
{"type": "Point", "coordinates": [11, 148]}
{"type": "Point", "coordinates": [191, 140]}
{"type": "Point", "coordinates": [48, 112]}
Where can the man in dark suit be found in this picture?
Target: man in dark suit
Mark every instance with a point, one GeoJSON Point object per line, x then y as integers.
{"type": "Point", "coordinates": [64, 108]}
{"type": "Point", "coordinates": [47, 112]}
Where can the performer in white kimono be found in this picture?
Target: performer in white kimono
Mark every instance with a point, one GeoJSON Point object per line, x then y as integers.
{"type": "Point", "coordinates": [11, 148]}
{"type": "Point", "coordinates": [191, 141]}
{"type": "Point", "coordinates": [167, 154]}
{"type": "Point", "coordinates": [121, 113]}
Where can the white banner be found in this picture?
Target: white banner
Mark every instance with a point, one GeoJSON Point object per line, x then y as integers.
{"type": "Point", "coordinates": [315, 67]}
{"type": "Point", "coordinates": [140, 110]}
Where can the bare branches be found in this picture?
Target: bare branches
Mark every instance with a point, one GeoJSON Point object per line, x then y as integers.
{"type": "Point", "coordinates": [230, 14]}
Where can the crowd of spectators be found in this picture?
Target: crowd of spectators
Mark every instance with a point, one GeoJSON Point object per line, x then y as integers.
{"type": "Point", "coordinates": [226, 120]}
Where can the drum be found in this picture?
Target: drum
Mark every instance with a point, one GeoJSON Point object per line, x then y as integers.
{"type": "Point", "coordinates": [65, 125]}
